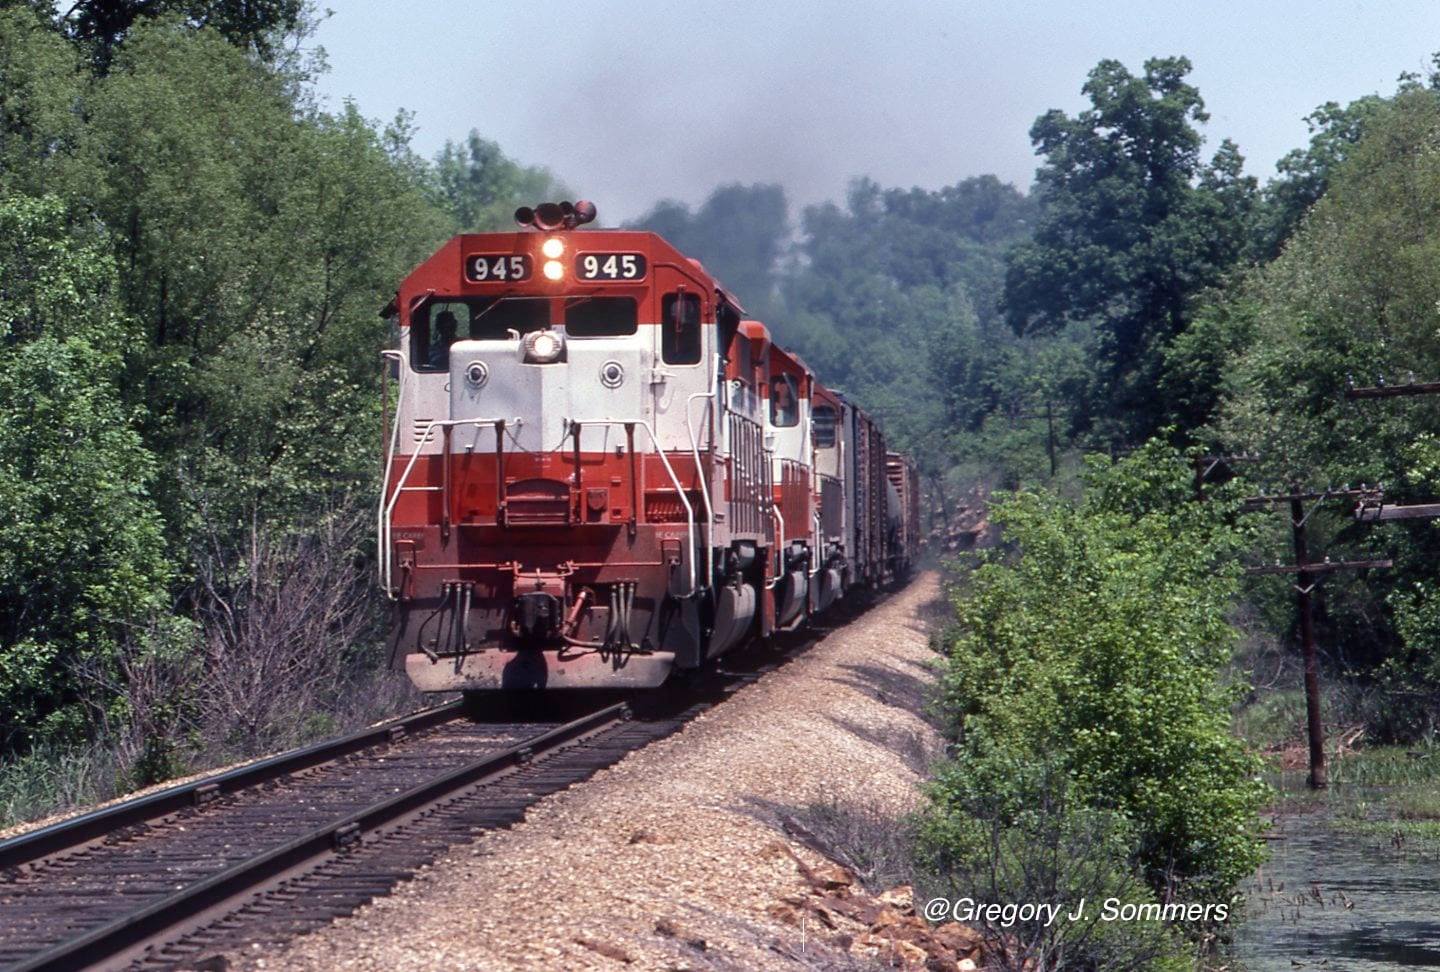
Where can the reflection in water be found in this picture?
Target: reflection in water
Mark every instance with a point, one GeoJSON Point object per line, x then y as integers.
{"type": "Point", "coordinates": [1333, 901]}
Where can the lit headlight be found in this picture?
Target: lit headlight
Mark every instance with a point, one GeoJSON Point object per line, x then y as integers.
{"type": "Point", "coordinates": [543, 347]}
{"type": "Point", "coordinates": [553, 269]}
{"type": "Point", "coordinates": [552, 248]}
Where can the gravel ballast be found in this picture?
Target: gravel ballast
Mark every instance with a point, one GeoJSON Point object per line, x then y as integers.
{"type": "Point", "coordinates": [679, 856]}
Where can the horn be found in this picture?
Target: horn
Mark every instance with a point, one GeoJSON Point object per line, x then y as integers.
{"type": "Point", "coordinates": [549, 216]}
{"type": "Point", "coordinates": [584, 212]}
{"type": "Point", "coordinates": [525, 216]}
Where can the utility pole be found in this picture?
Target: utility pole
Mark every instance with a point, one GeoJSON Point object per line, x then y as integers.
{"type": "Point", "coordinates": [1319, 778]}
{"type": "Point", "coordinates": [1307, 576]}
{"type": "Point", "coordinates": [1050, 441]}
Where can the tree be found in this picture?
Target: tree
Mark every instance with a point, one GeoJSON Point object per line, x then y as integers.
{"type": "Point", "coordinates": [740, 233]}
{"type": "Point", "coordinates": [1087, 664]}
{"type": "Point", "coordinates": [101, 26]}
{"type": "Point", "coordinates": [893, 299]}
{"type": "Point", "coordinates": [479, 186]}
{"type": "Point", "coordinates": [258, 244]}
{"type": "Point", "coordinates": [82, 556]}
{"type": "Point", "coordinates": [1132, 226]}
{"type": "Point", "coordinates": [1353, 297]}
{"type": "Point", "coordinates": [41, 85]}
{"type": "Point", "coordinates": [1304, 173]}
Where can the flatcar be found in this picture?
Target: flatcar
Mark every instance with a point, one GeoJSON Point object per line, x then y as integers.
{"type": "Point", "coordinates": [599, 471]}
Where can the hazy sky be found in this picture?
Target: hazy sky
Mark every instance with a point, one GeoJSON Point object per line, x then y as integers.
{"type": "Point", "coordinates": [630, 101]}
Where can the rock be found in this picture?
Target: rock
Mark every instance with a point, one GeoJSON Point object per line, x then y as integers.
{"type": "Point", "coordinates": [886, 918]}
{"type": "Point", "coordinates": [958, 938]}
{"type": "Point", "coordinates": [902, 899]}
{"type": "Point", "coordinates": [643, 836]}
{"type": "Point", "coordinates": [784, 913]}
{"type": "Point", "coordinates": [829, 877]}
{"type": "Point", "coordinates": [911, 956]}
{"type": "Point", "coordinates": [910, 929]}
{"type": "Point", "coordinates": [861, 909]}
{"type": "Point", "coordinates": [604, 948]}
{"type": "Point", "coordinates": [823, 915]}
{"type": "Point", "coordinates": [968, 965]}
{"type": "Point", "coordinates": [673, 929]}
{"type": "Point", "coordinates": [775, 850]}
{"type": "Point", "coordinates": [868, 946]}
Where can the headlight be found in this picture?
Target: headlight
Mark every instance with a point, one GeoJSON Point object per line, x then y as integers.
{"type": "Point", "coordinates": [554, 269]}
{"type": "Point", "coordinates": [552, 248]}
{"type": "Point", "coordinates": [543, 347]}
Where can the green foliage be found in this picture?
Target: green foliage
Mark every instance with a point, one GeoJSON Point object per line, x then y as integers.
{"type": "Point", "coordinates": [893, 301]}
{"type": "Point", "coordinates": [258, 245]}
{"type": "Point", "coordinates": [1304, 173]}
{"type": "Point", "coordinates": [478, 186]}
{"type": "Point", "coordinates": [41, 81]}
{"type": "Point", "coordinates": [1354, 296]}
{"type": "Point", "coordinates": [82, 552]}
{"type": "Point", "coordinates": [739, 233]}
{"type": "Point", "coordinates": [1094, 651]}
{"type": "Point", "coordinates": [100, 26]}
{"type": "Point", "coordinates": [985, 847]}
{"type": "Point", "coordinates": [1132, 226]}
{"type": "Point", "coordinates": [188, 342]}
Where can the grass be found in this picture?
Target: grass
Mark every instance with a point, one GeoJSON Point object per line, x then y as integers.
{"type": "Point", "coordinates": [54, 779]}
{"type": "Point", "coordinates": [1273, 720]}
{"type": "Point", "coordinates": [51, 779]}
{"type": "Point", "coordinates": [1388, 795]}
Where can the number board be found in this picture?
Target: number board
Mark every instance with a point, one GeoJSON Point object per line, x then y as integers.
{"type": "Point", "coordinates": [610, 266]}
{"type": "Point", "coordinates": [497, 267]}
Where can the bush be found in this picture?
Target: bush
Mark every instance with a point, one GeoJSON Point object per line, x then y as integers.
{"type": "Point", "coordinates": [1090, 651]}
{"type": "Point", "coordinates": [1052, 851]}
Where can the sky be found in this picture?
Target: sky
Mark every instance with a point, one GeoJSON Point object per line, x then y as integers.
{"type": "Point", "coordinates": [633, 101]}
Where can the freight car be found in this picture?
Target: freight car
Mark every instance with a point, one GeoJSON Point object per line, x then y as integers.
{"type": "Point", "coordinates": [598, 471]}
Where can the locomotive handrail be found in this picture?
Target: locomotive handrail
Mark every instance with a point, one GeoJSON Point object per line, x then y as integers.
{"type": "Point", "coordinates": [382, 539]}
{"type": "Point", "coordinates": [704, 480]}
{"type": "Point", "coordinates": [815, 551]}
{"type": "Point", "coordinates": [679, 490]}
{"type": "Point", "coordinates": [779, 545]}
{"type": "Point", "coordinates": [387, 505]}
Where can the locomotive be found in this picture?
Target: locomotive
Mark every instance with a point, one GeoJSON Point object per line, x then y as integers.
{"type": "Point", "coordinates": [599, 472]}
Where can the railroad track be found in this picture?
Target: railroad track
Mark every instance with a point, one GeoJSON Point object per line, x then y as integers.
{"type": "Point", "coordinates": [282, 846]}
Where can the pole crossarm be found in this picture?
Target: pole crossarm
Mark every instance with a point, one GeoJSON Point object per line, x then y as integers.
{"type": "Point", "coordinates": [1394, 391]}
{"type": "Point", "coordinates": [1381, 513]}
{"type": "Point", "coordinates": [1271, 499]}
{"type": "Point", "coordinates": [1319, 567]}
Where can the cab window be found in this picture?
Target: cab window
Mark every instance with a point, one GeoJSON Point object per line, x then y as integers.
{"type": "Point", "coordinates": [784, 401]}
{"type": "Point", "coordinates": [440, 323]}
{"type": "Point", "coordinates": [492, 319]}
{"type": "Point", "coordinates": [822, 424]}
{"type": "Point", "coordinates": [744, 366]}
{"type": "Point", "coordinates": [680, 328]}
{"type": "Point", "coordinates": [601, 317]}
{"type": "Point", "coordinates": [432, 330]}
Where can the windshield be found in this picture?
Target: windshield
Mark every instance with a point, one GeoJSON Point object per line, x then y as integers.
{"type": "Point", "coordinates": [442, 322]}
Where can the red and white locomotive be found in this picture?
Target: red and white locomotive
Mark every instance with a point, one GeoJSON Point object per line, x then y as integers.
{"type": "Point", "coordinates": [599, 472]}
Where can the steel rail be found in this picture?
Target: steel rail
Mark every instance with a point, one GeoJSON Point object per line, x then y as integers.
{"type": "Point", "coordinates": [155, 920]}
{"type": "Point", "coordinates": [77, 831]}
